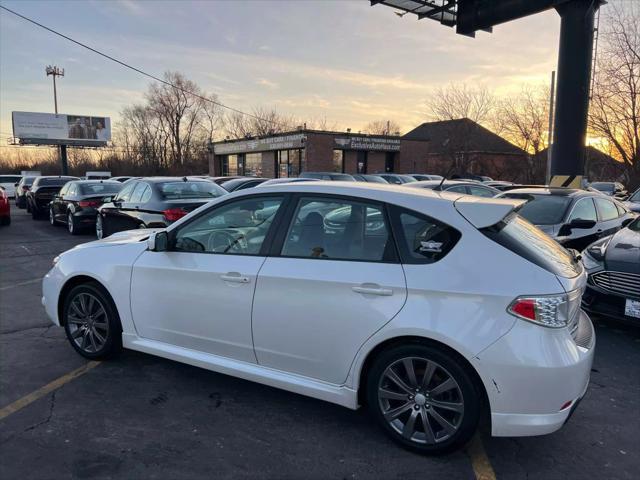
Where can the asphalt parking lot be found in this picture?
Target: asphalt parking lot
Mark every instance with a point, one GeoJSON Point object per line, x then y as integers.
{"type": "Point", "coordinates": [144, 417]}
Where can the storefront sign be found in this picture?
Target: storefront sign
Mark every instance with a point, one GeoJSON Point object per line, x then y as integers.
{"type": "Point", "coordinates": [367, 143]}
{"type": "Point", "coordinates": [284, 142]}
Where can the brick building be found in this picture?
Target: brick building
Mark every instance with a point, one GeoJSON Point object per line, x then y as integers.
{"type": "Point", "coordinates": [445, 148]}
{"type": "Point", "coordinates": [287, 154]}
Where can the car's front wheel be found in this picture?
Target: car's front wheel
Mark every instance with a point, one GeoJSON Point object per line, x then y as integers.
{"type": "Point", "coordinates": [91, 322]}
{"type": "Point", "coordinates": [71, 224]}
{"type": "Point", "coordinates": [424, 398]}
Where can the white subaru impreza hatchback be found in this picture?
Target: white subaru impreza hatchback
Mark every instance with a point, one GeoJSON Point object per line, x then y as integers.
{"type": "Point", "coordinates": [432, 309]}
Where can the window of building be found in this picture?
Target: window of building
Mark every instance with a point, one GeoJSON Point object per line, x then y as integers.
{"type": "Point", "coordinates": [253, 165]}
{"type": "Point", "coordinates": [338, 161]}
{"type": "Point", "coordinates": [229, 165]}
{"type": "Point", "coordinates": [361, 166]}
{"type": "Point", "coordinates": [289, 163]}
{"type": "Point", "coordinates": [389, 162]}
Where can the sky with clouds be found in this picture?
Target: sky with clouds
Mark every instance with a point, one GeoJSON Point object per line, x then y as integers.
{"type": "Point", "coordinates": [336, 59]}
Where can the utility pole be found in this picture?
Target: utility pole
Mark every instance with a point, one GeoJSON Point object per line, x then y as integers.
{"type": "Point", "coordinates": [550, 131]}
{"type": "Point", "coordinates": [58, 72]}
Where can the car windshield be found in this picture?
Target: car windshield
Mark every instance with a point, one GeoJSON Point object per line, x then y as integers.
{"type": "Point", "coordinates": [181, 189]}
{"type": "Point", "coordinates": [635, 197]}
{"type": "Point", "coordinates": [542, 209]}
{"type": "Point", "coordinates": [99, 188]}
{"type": "Point", "coordinates": [603, 186]}
{"type": "Point", "coordinates": [635, 225]}
{"type": "Point", "coordinates": [53, 182]}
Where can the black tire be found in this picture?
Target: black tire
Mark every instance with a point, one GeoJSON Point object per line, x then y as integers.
{"type": "Point", "coordinates": [34, 213]}
{"type": "Point", "coordinates": [72, 226]}
{"type": "Point", "coordinates": [438, 440]}
{"type": "Point", "coordinates": [113, 335]}
{"type": "Point", "coordinates": [52, 218]}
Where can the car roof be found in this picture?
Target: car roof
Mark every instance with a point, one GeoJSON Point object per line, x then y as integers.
{"type": "Point", "coordinates": [93, 182]}
{"type": "Point", "coordinates": [557, 191]}
{"type": "Point", "coordinates": [172, 179]}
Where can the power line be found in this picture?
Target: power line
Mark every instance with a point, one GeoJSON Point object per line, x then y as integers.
{"type": "Point", "coordinates": [142, 72]}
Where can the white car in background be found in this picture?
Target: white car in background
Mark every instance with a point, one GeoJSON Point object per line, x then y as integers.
{"type": "Point", "coordinates": [8, 182]}
{"type": "Point", "coordinates": [430, 308]}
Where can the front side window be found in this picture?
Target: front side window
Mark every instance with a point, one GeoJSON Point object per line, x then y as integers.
{"type": "Point", "coordinates": [138, 191]}
{"type": "Point", "coordinates": [422, 239]}
{"type": "Point", "coordinates": [338, 230]}
{"type": "Point", "coordinates": [584, 210]}
{"type": "Point", "coordinates": [607, 209]}
{"type": "Point", "coordinates": [125, 194]}
{"type": "Point", "coordinates": [237, 228]}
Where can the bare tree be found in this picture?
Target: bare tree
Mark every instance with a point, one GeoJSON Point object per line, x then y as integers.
{"type": "Point", "coordinates": [615, 104]}
{"type": "Point", "coordinates": [523, 118]}
{"type": "Point", "coordinates": [461, 101]}
{"type": "Point", "coordinates": [261, 121]}
{"type": "Point", "coordinates": [382, 127]}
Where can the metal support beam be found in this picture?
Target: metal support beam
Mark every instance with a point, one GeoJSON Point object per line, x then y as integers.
{"type": "Point", "coordinates": [63, 160]}
{"type": "Point", "coordinates": [572, 100]}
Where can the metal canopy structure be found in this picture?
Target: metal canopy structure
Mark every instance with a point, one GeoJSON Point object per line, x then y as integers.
{"type": "Point", "coordinates": [574, 61]}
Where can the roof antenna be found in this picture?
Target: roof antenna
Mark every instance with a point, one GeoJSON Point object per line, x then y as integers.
{"type": "Point", "coordinates": [441, 182]}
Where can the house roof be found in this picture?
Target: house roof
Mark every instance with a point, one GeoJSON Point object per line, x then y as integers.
{"type": "Point", "coordinates": [461, 135]}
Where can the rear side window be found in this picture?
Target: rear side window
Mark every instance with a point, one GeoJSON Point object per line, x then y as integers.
{"type": "Point", "coordinates": [336, 229]}
{"type": "Point", "coordinates": [531, 243]}
{"type": "Point", "coordinates": [607, 209]}
{"type": "Point", "coordinates": [125, 194]}
{"type": "Point", "coordinates": [136, 196]}
{"type": "Point", "coordinates": [542, 209]}
{"type": "Point", "coordinates": [422, 239]}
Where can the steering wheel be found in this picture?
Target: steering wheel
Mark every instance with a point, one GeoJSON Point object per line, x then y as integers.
{"type": "Point", "coordinates": [222, 241]}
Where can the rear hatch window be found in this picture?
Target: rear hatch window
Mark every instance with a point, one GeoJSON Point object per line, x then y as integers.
{"type": "Point", "coordinates": [184, 190]}
{"type": "Point", "coordinates": [521, 237]}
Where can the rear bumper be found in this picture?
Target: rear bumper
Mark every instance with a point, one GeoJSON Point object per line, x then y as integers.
{"type": "Point", "coordinates": [86, 216]}
{"type": "Point", "coordinates": [534, 376]}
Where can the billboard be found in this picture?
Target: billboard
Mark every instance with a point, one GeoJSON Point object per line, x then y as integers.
{"type": "Point", "coordinates": [52, 129]}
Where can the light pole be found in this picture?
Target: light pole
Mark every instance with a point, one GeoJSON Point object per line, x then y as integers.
{"type": "Point", "coordinates": [54, 71]}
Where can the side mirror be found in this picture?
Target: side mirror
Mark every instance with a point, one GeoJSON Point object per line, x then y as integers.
{"type": "Point", "coordinates": [158, 242]}
{"type": "Point", "coordinates": [580, 223]}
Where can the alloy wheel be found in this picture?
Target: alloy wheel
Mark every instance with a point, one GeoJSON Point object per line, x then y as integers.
{"type": "Point", "coordinates": [420, 400]}
{"type": "Point", "coordinates": [88, 322]}
{"type": "Point", "coordinates": [99, 227]}
{"type": "Point", "coordinates": [52, 218]}
{"type": "Point", "coordinates": [70, 225]}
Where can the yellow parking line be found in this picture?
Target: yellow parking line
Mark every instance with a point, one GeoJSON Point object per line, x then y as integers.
{"type": "Point", "coordinates": [479, 460]}
{"type": "Point", "coordinates": [42, 391]}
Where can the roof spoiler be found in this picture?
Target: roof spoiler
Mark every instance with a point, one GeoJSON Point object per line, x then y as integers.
{"type": "Point", "coordinates": [484, 212]}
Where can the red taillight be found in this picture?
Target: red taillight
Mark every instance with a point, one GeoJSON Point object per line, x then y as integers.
{"type": "Point", "coordinates": [525, 308]}
{"type": "Point", "coordinates": [88, 203]}
{"type": "Point", "coordinates": [173, 214]}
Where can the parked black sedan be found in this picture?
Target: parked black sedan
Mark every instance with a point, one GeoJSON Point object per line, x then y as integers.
{"type": "Point", "coordinates": [42, 192]}
{"type": "Point", "coordinates": [613, 264]}
{"type": "Point", "coordinates": [153, 202]}
{"type": "Point", "coordinates": [575, 218]}
{"type": "Point", "coordinates": [76, 203]}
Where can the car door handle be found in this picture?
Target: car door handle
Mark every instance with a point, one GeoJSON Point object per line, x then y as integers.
{"type": "Point", "coordinates": [368, 289]}
{"type": "Point", "coordinates": [234, 277]}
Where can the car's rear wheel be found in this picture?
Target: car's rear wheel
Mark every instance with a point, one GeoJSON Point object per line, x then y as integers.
{"type": "Point", "coordinates": [99, 228]}
{"type": "Point", "coordinates": [424, 398]}
{"type": "Point", "coordinates": [52, 217]}
{"type": "Point", "coordinates": [71, 224]}
{"type": "Point", "coordinates": [91, 322]}
{"type": "Point", "coordinates": [34, 213]}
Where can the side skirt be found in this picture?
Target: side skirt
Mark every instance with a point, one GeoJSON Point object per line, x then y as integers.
{"type": "Point", "coordinates": [328, 392]}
